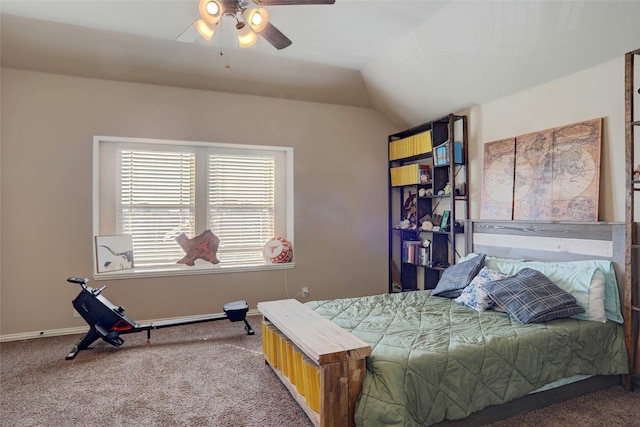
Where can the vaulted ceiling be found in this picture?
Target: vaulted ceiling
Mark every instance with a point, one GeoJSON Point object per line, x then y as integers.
{"type": "Point", "coordinates": [411, 60]}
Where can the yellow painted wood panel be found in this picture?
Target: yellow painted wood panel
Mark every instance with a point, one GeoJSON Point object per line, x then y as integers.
{"type": "Point", "coordinates": [319, 338]}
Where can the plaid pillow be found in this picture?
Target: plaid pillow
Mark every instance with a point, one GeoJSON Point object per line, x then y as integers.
{"type": "Point", "coordinates": [457, 277]}
{"type": "Point", "coordinates": [531, 297]}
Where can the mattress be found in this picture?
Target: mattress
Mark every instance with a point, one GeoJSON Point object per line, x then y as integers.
{"type": "Point", "coordinates": [433, 359]}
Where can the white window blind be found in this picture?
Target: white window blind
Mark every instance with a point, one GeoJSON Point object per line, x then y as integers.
{"type": "Point", "coordinates": [156, 203]}
{"type": "Point", "coordinates": [241, 204]}
{"type": "Point", "coordinates": [155, 189]}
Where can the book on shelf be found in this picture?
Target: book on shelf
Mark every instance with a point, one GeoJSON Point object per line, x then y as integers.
{"type": "Point", "coordinates": [410, 146]}
{"type": "Point", "coordinates": [425, 174]}
{"type": "Point", "coordinates": [414, 252]}
{"type": "Point", "coordinates": [410, 175]}
{"type": "Point", "coordinates": [441, 153]}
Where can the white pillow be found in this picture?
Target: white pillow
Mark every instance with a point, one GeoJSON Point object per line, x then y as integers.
{"type": "Point", "coordinates": [597, 293]}
{"type": "Point", "coordinates": [587, 285]}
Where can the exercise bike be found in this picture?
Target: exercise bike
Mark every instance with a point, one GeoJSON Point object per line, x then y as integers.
{"type": "Point", "coordinates": [108, 321]}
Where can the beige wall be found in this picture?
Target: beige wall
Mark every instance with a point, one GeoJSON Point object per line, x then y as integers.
{"type": "Point", "coordinates": [596, 92]}
{"type": "Point", "coordinates": [340, 183]}
{"type": "Point", "coordinates": [48, 122]}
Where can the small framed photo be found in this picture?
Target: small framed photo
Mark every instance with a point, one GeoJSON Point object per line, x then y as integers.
{"type": "Point", "coordinates": [114, 253]}
{"type": "Point", "coordinates": [445, 220]}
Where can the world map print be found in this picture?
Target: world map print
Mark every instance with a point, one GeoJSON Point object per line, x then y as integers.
{"type": "Point", "coordinates": [556, 175]}
{"type": "Point", "coordinates": [497, 188]}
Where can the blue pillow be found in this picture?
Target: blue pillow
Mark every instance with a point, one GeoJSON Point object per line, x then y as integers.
{"type": "Point", "coordinates": [612, 296]}
{"type": "Point", "coordinates": [457, 277]}
{"type": "Point", "coordinates": [531, 297]}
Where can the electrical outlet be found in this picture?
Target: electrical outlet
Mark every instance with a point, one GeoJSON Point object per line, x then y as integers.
{"type": "Point", "coordinates": [305, 292]}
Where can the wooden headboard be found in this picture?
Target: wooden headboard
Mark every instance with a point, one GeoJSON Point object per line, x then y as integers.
{"type": "Point", "coordinates": [550, 241]}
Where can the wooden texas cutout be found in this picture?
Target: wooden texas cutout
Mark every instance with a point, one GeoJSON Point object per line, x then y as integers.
{"type": "Point", "coordinates": [204, 246]}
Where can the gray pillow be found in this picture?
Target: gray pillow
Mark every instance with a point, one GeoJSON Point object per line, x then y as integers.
{"type": "Point", "coordinates": [457, 277]}
{"type": "Point", "coordinates": [531, 297]}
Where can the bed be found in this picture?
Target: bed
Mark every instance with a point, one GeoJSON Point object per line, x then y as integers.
{"type": "Point", "coordinates": [432, 360]}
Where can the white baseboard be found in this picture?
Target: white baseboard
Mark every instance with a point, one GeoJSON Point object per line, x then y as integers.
{"type": "Point", "coordinates": [42, 334]}
{"type": "Point", "coordinates": [80, 330]}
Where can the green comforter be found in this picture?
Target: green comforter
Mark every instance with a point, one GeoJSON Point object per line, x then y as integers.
{"type": "Point", "coordinates": [434, 359]}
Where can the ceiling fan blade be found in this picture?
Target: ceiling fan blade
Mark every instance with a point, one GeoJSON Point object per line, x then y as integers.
{"type": "Point", "coordinates": [189, 35]}
{"type": "Point", "coordinates": [292, 2]}
{"type": "Point", "coordinates": [275, 36]}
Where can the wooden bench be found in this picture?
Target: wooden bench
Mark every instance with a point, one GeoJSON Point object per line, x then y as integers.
{"type": "Point", "coordinates": [295, 337]}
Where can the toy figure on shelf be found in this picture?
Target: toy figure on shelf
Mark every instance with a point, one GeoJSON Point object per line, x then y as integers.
{"type": "Point", "coordinates": [410, 208]}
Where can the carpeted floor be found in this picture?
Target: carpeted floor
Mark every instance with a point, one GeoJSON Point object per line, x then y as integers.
{"type": "Point", "coordinates": [209, 374]}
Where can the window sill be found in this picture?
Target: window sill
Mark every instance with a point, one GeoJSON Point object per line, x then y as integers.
{"type": "Point", "coordinates": [185, 270]}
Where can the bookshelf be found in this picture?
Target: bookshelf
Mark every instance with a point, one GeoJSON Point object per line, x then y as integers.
{"type": "Point", "coordinates": [428, 201]}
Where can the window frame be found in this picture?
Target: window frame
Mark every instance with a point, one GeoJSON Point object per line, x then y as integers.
{"type": "Point", "coordinates": [101, 189]}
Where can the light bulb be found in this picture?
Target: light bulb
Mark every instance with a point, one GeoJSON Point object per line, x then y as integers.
{"type": "Point", "coordinates": [213, 8]}
{"type": "Point", "coordinates": [257, 18]}
{"type": "Point", "coordinates": [210, 11]}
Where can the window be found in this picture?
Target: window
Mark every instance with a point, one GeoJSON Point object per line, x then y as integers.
{"type": "Point", "coordinates": [241, 215]}
{"type": "Point", "coordinates": [155, 202]}
{"type": "Point", "coordinates": [154, 190]}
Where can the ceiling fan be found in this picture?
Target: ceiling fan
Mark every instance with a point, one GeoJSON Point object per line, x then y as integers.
{"type": "Point", "coordinates": [251, 19]}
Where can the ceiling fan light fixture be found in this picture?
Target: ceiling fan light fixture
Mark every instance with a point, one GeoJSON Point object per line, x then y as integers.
{"type": "Point", "coordinates": [210, 11]}
{"type": "Point", "coordinates": [205, 30]}
{"type": "Point", "coordinates": [257, 18]}
{"type": "Point", "coordinates": [246, 37]}
{"type": "Point", "coordinates": [252, 20]}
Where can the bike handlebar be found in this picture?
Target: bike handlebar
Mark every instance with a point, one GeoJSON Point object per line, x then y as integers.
{"type": "Point", "coordinates": [83, 282]}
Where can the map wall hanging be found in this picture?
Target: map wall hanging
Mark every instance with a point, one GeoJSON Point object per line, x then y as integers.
{"type": "Point", "coordinates": [555, 175]}
{"type": "Point", "coordinates": [499, 170]}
